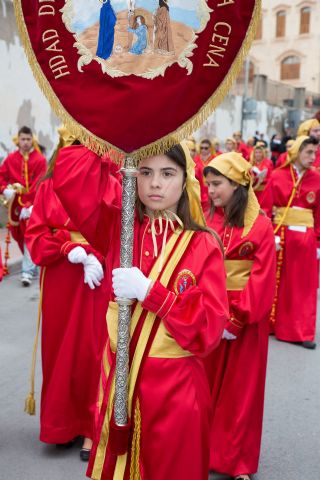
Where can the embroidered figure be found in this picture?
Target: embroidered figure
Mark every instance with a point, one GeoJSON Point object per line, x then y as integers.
{"type": "Point", "coordinates": [106, 31]}
{"type": "Point", "coordinates": [185, 280]}
{"type": "Point", "coordinates": [162, 29]}
{"type": "Point", "coordinates": [141, 32]}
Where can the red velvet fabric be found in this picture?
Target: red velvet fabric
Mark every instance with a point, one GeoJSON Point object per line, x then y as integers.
{"type": "Point", "coordinates": [131, 111]}
{"type": "Point", "coordinates": [297, 296]}
{"type": "Point", "coordinates": [237, 368]}
{"type": "Point", "coordinates": [173, 393]}
{"type": "Point", "coordinates": [73, 323]}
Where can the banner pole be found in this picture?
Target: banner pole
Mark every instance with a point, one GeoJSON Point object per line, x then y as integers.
{"type": "Point", "coordinates": [126, 255]}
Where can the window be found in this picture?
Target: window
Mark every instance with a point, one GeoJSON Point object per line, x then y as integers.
{"type": "Point", "coordinates": [305, 14]}
{"type": "Point", "coordinates": [290, 68]}
{"type": "Point", "coordinates": [259, 30]}
{"type": "Point", "coordinates": [281, 24]}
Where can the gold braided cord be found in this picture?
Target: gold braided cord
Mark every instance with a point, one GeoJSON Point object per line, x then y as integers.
{"type": "Point", "coordinates": [135, 448]}
{"type": "Point", "coordinates": [100, 146]}
{"type": "Point", "coordinates": [30, 402]}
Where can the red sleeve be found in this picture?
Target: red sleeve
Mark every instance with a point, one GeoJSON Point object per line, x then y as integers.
{"type": "Point", "coordinates": [196, 317]}
{"type": "Point", "coordinates": [266, 202]}
{"type": "Point", "coordinates": [4, 175]}
{"type": "Point", "coordinates": [255, 300]}
{"type": "Point", "coordinates": [316, 213]}
{"type": "Point", "coordinates": [40, 168]}
{"type": "Point", "coordinates": [43, 243]}
{"type": "Point", "coordinates": [89, 195]}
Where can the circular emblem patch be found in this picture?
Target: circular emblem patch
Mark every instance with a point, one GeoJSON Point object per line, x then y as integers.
{"type": "Point", "coordinates": [184, 280]}
{"type": "Point", "coordinates": [246, 249]}
{"type": "Point", "coordinates": [311, 197]}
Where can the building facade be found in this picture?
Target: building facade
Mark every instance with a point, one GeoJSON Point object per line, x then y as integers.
{"type": "Point", "coordinates": [289, 33]}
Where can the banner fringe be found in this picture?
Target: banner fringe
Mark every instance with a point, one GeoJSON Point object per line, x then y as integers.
{"type": "Point", "coordinates": [100, 146]}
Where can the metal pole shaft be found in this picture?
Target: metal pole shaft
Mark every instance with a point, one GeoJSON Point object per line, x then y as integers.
{"type": "Point", "coordinates": [126, 254]}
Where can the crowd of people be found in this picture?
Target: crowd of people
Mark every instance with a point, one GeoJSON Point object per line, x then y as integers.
{"type": "Point", "coordinates": [225, 254]}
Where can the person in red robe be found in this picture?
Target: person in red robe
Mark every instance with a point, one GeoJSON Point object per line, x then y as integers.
{"type": "Point", "coordinates": [1, 266]}
{"type": "Point", "coordinates": [311, 128]}
{"type": "Point", "coordinates": [179, 281]}
{"type": "Point", "coordinates": [207, 153]}
{"type": "Point", "coordinates": [20, 173]}
{"type": "Point", "coordinates": [293, 198]}
{"type": "Point", "coordinates": [74, 303]}
{"type": "Point", "coordinates": [241, 147]}
{"type": "Point", "coordinates": [237, 368]}
{"type": "Point", "coordinates": [283, 157]}
{"type": "Point", "coordinates": [262, 168]}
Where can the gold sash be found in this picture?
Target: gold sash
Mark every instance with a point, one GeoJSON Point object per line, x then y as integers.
{"type": "Point", "coordinates": [300, 217]}
{"type": "Point", "coordinates": [76, 237]}
{"type": "Point", "coordinates": [163, 346]}
{"type": "Point", "coordinates": [139, 351]}
{"type": "Point", "coordinates": [238, 273]}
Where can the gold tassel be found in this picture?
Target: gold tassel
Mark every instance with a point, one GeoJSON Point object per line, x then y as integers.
{"type": "Point", "coordinates": [135, 447]}
{"type": "Point", "coordinates": [30, 402]}
{"type": "Point", "coordinates": [100, 146]}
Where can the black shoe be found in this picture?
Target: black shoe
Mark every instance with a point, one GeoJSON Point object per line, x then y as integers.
{"type": "Point", "coordinates": [85, 454]}
{"type": "Point", "coordinates": [310, 345]}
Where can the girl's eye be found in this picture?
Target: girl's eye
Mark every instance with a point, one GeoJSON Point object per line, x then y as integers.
{"type": "Point", "coordinates": [168, 174]}
{"type": "Point", "coordinates": [144, 173]}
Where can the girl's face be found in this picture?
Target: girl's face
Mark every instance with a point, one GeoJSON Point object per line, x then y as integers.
{"type": "Point", "coordinates": [160, 183]}
{"type": "Point", "coordinates": [220, 189]}
{"type": "Point", "coordinates": [258, 155]}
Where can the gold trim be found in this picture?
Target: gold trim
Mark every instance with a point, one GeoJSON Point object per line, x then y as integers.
{"type": "Point", "coordinates": [100, 146]}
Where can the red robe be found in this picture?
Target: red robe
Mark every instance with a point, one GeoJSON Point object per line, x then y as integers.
{"type": "Point", "coordinates": [237, 368]}
{"type": "Point", "coordinates": [12, 171]}
{"type": "Point", "coordinates": [281, 159]}
{"type": "Point", "coordinates": [173, 393]}
{"type": "Point", "coordinates": [1, 266]}
{"type": "Point", "coordinates": [200, 165]}
{"type": "Point", "coordinates": [259, 191]}
{"type": "Point", "coordinates": [296, 306]}
{"type": "Point", "coordinates": [244, 150]}
{"type": "Point", "coordinates": [316, 164]}
{"type": "Point", "coordinates": [73, 323]}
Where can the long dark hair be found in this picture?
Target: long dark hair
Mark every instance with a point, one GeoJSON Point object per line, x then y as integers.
{"type": "Point", "coordinates": [235, 211]}
{"type": "Point", "coordinates": [176, 154]}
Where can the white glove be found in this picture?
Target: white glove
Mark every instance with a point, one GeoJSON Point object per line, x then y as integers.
{"type": "Point", "coordinates": [77, 255]}
{"type": "Point", "coordinates": [25, 213]}
{"type": "Point", "coordinates": [228, 336]}
{"type": "Point", "coordinates": [277, 241]}
{"type": "Point", "coordinates": [93, 271]}
{"type": "Point", "coordinates": [8, 193]}
{"type": "Point", "coordinates": [130, 283]}
{"type": "Point", "coordinates": [318, 253]}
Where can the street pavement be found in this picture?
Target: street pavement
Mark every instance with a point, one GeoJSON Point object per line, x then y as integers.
{"type": "Point", "coordinates": [291, 438]}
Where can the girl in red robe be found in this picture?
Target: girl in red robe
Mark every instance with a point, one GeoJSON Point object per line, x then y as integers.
{"type": "Point", "coordinates": [237, 368]}
{"type": "Point", "coordinates": [262, 168]}
{"type": "Point", "coordinates": [293, 198]}
{"type": "Point", "coordinates": [183, 302]}
{"type": "Point", "coordinates": [73, 317]}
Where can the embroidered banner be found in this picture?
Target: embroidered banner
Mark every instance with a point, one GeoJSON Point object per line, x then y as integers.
{"type": "Point", "coordinates": [130, 75]}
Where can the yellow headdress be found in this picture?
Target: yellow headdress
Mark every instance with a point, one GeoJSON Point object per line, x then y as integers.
{"type": "Point", "coordinates": [293, 151]}
{"type": "Point", "coordinates": [193, 188]}
{"type": "Point", "coordinates": [305, 127]}
{"type": "Point", "coordinates": [233, 166]}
